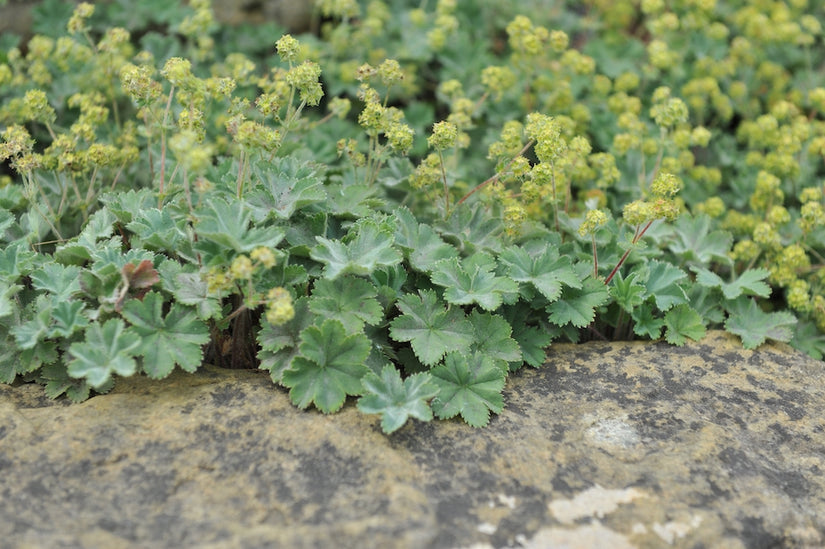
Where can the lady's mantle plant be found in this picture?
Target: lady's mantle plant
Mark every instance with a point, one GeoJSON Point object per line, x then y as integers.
{"type": "Point", "coordinates": [371, 213]}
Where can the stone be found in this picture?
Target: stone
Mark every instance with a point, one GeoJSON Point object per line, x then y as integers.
{"type": "Point", "coordinates": [621, 445]}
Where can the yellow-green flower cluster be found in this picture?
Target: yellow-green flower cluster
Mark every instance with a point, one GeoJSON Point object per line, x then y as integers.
{"type": "Point", "coordinates": [338, 9]}
{"type": "Point", "coordinates": [254, 135]}
{"type": "Point", "coordinates": [305, 78]}
{"type": "Point", "coordinates": [665, 185]}
{"type": "Point", "coordinates": [189, 149]}
{"type": "Point", "coordinates": [444, 26]}
{"type": "Point", "coordinates": [593, 219]}
{"type": "Point", "coordinates": [279, 308]}
{"type": "Point", "coordinates": [427, 173]}
{"type": "Point", "coordinates": [78, 22]}
{"type": "Point", "coordinates": [526, 40]}
{"type": "Point", "coordinates": [509, 144]}
{"type": "Point", "coordinates": [668, 111]}
{"type": "Point", "coordinates": [138, 83]}
{"type": "Point", "coordinates": [545, 130]}
{"type": "Point", "coordinates": [444, 136]}
{"type": "Point", "coordinates": [37, 107]}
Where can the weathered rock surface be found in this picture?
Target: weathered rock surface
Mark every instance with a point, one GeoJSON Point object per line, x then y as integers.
{"type": "Point", "coordinates": [609, 445]}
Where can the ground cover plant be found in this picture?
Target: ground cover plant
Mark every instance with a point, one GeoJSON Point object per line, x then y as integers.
{"type": "Point", "coordinates": [409, 202]}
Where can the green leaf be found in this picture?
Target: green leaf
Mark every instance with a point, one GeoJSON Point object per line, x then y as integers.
{"type": "Point", "coordinates": [57, 381]}
{"type": "Point", "coordinates": [370, 249]}
{"type": "Point", "coordinates": [82, 248]}
{"type": "Point", "coordinates": [430, 329]}
{"type": "Point", "coordinates": [645, 323]}
{"type": "Point", "coordinates": [129, 204]}
{"type": "Point", "coordinates": [329, 368]}
{"type": "Point", "coordinates": [422, 246]}
{"type": "Point", "coordinates": [470, 386]}
{"type": "Point", "coordinates": [807, 338]}
{"type": "Point", "coordinates": [353, 200]}
{"type": "Point", "coordinates": [693, 241]}
{"type": "Point", "coordinates": [227, 224]}
{"type": "Point", "coordinates": [67, 317]}
{"type": "Point", "coordinates": [754, 326]}
{"type": "Point", "coordinates": [59, 280]}
{"type": "Point", "coordinates": [15, 260]}
{"type": "Point", "coordinates": [472, 281]}
{"type": "Point", "coordinates": [748, 283]}
{"type": "Point", "coordinates": [577, 306]}
{"type": "Point", "coordinates": [532, 340]}
{"type": "Point", "coordinates": [473, 229]}
{"type": "Point", "coordinates": [284, 186]}
{"type": "Point", "coordinates": [177, 339]}
{"type": "Point", "coordinates": [683, 323]}
{"type": "Point", "coordinates": [7, 292]}
{"type": "Point", "coordinates": [397, 400]}
{"type": "Point", "coordinates": [627, 292]}
{"type": "Point", "coordinates": [158, 230]}
{"type": "Point", "coordinates": [663, 284]}
{"type": "Point", "coordinates": [189, 288]}
{"type": "Point", "coordinates": [279, 344]}
{"type": "Point", "coordinates": [7, 219]}
{"type": "Point", "coordinates": [350, 300]}
{"type": "Point", "coordinates": [547, 272]}
{"type": "Point", "coordinates": [29, 333]}
{"type": "Point", "coordinates": [493, 338]}
{"type": "Point", "coordinates": [107, 349]}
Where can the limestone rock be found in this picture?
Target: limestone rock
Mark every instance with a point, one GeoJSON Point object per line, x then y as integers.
{"type": "Point", "coordinates": [622, 445]}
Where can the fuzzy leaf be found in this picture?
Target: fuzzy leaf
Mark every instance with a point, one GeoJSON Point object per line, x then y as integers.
{"type": "Point", "coordinates": [628, 292]}
{"type": "Point", "coordinates": [176, 339]}
{"type": "Point", "coordinates": [279, 344]}
{"type": "Point", "coordinates": [189, 288]}
{"type": "Point", "coordinates": [547, 272]}
{"type": "Point", "coordinates": [663, 284]}
{"type": "Point", "coordinates": [57, 381]}
{"type": "Point", "coordinates": [67, 317]}
{"type": "Point", "coordinates": [7, 306]}
{"type": "Point", "coordinates": [430, 329]}
{"type": "Point", "coordinates": [493, 337]}
{"type": "Point", "coordinates": [472, 281]}
{"type": "Point", "coordinates": [15, 260]}
{"type": "Point", "coordinates": [577, 306]}
{"type": "Point", "coordinates": [348, 299]}
{"type": "Point", "coordinates": [370, 249]}
{"type": "Point", "coordinates": [158, 229]}
{"type": "Point", "coordinates": [227, 224]}
{"type": "Point", "coordinates": [59, 280]}
{"type": "Point", "coordinates": [329, 368]}
{"type": "Point", "coordinates": [140, 276]}
{"type": "Point", "coordinates": [533, 343]}
{"type": "Point", "coordinates": [682, 322]}
{"type": "Point", "coordinates": [473, 229]}
{"type": "Point", "coordinates": [108, 349]}
{"type": "Point", "coordinates": [748, 283]}
{"type": "Point", "coordinates": [754, 326]}
{"type": "Point", "coordinates": [397, 400]}
{"type": "Point", "coordinates": [807, 338]}
{"type": "Point", "coordinates": [470, 386]}
{"type": "Point", "coordinates": [694, 242]}
{"type": "Point", "coordinates": [30, 332]}
{"type": "Point", "coordinates": [645, 324]}
{"type": "Point", "coordinates": [422, 246]}
{"type": "Point", "coordinates": [284, 186]}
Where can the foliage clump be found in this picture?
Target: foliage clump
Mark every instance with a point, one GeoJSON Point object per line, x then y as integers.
{"type": "Point", "coordinates": [406, 205]}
